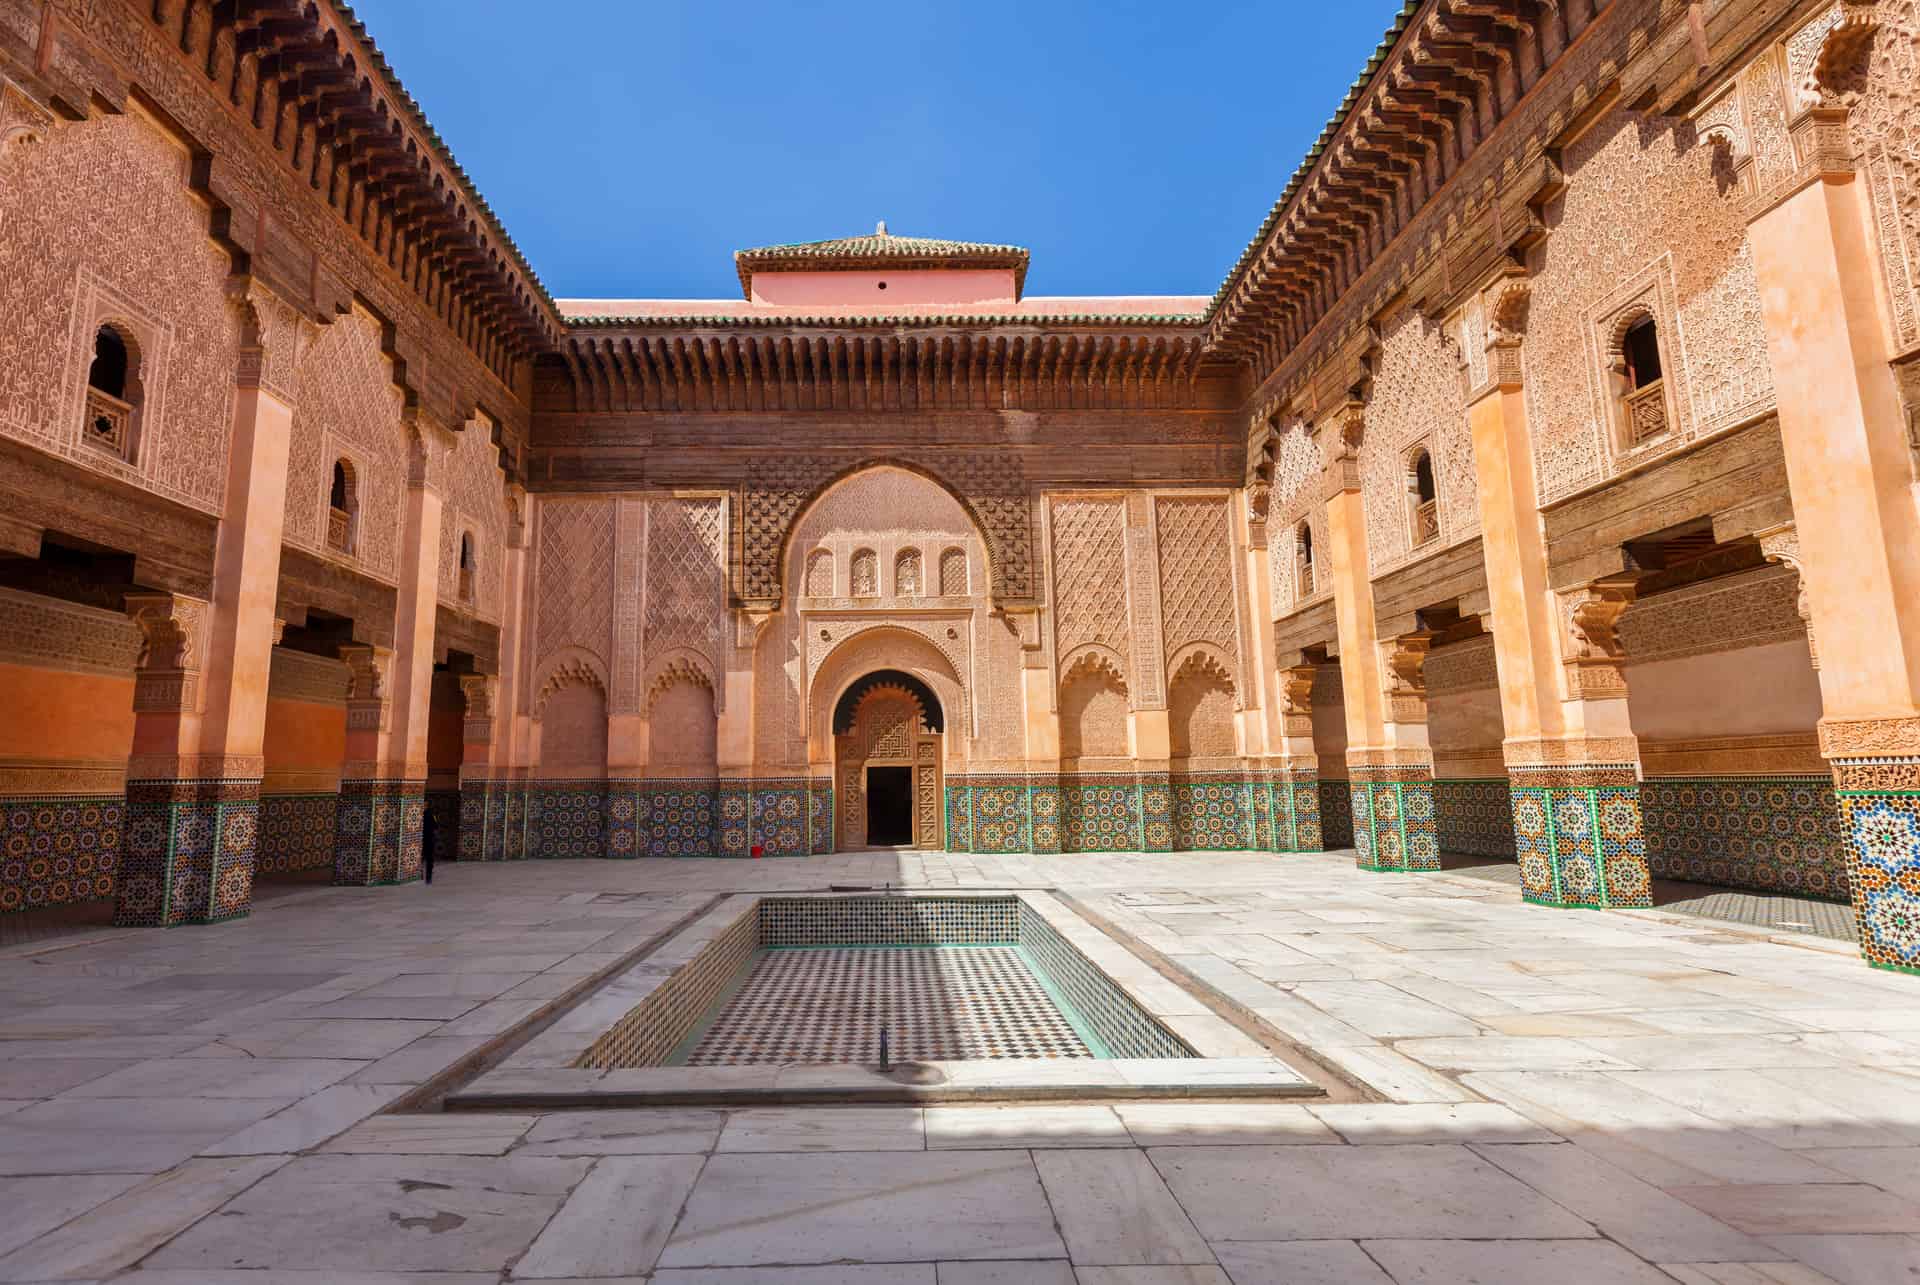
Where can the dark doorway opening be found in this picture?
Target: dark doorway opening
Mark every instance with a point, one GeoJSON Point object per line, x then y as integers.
{"type": "Point", "coordinates": [889, 806]}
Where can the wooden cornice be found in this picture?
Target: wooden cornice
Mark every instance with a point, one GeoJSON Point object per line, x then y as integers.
{"type": "Point", "coordinates": [932, 367]}
{"type": "Point", "coordinates": [1451, 72]}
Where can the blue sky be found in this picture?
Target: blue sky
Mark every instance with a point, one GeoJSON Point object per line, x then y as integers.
{"type": "Point", "coordinates": [630, 146]}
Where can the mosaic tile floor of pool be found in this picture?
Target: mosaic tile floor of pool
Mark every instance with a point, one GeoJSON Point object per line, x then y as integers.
{"type": "Point", "coordinates": [938, 1005]}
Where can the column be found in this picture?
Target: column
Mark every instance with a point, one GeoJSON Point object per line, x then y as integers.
{"type": "Point", "coordinates": [1149, 730]}
{"type": "Point", "coordinates": [200, 696]}
{"type": "Point", "coordinates": [1573, 764]}
{"type": "Point", "coordinates": [1849, 468]}
{"type": "Point", "coordinates": [1259, 730]}
{"type": "Point", "coordinates": [383, 786]}
{"type": "Point", "coordinates": [1389, 761]}
{"type": "Point", "coordinates": [476, 763]}
{"type": "Point", "coordinates": [733, 751]}
{"type": "Point", "coordinates": [1296, 771]}
{"type": "Point", "coordinates": [1041, 744]}
{"type": "Point", "coordinates": [506, 802]}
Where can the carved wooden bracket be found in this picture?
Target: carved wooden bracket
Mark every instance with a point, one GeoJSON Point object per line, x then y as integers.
{"type": "Point", "coordinates": [1405, 660]}
{"type": "Point", "coordinates": [1782, 544]}
{"type": "Point", "coordinates": [1594, 650]}
{"type": "Point", "coordinates": [369, 703]}
{"type": "Point", "coordinates": [173, 630]}
{"type": "Point", "coordinates": [479, 690]}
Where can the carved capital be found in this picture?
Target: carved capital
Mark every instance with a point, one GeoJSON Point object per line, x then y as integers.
{"type": "Point", "coordinates": [1405, 661]}
{"type": "Point", "coordinates": [23, 121]}
{"type": "Point", "coordinates": [1782, 544]}
{"type": "Point", "coordinates": [479, 692]}
{"type": "Point", "coordinates": [368, 700]}
{"type": "Point", "coordinates": [1594, 650]}
{"type": "Point", "coordinates": [272, 332]}
{"type": "Point", "coordinates": [1296, 700]}
{"type": "Point", "coordinates": [173, 629]}
{"type": "Point", "coordinates": [1259, 501]}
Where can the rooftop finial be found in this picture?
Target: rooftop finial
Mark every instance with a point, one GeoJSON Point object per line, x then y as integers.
{"type": "Point", "coordinates": [881, 229]}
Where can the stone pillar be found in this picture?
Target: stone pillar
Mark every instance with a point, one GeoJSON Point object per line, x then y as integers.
{"type": "Point", "coordinates": [1573, 763]}
{"type": "Point", "coordinates": [476, 763]}
{"type": "Point", "coordinates": [1850, 470]}
{"type": "Point", "coordinates": [506, 810]}
{"type": "Point", "coordinates": [200, 697]}
{"type": "Point", "coordinates": [733, 799]}
{"type": "Point", "coordinates": [1296, 773]}
{"type": "Point", "coordinates": [383, 786]}
{"type": "Point", "coordinates": [1389, 762]}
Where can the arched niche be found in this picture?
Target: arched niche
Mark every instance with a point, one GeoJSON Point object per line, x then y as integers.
{"type": "Point", "coordinates": [876, 649]}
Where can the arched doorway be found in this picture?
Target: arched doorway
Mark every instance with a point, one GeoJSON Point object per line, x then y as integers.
{"type": "Point", "coordinates": [887, 729]}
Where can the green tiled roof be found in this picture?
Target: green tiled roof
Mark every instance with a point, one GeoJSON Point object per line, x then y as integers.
{"type": "Point", "coordinates": [881, 249]}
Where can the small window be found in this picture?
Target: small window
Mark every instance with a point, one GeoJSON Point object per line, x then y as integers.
{"type": "Point", "coordinates": [1421, 497]}
{"type": "Point", "coordinates": [112, 396]}
{"type": "Point", "coordinates": [343, 508]}
{"type": "Point", "coordinates": [1643, 397]}
{"type": "Point", "coordinates": [1303, 561]}
{"type": "Point", "coordinates": [1641, 347]}
{"type": "Point", "coordinates": [466, 567]}
{"type": "Point", "coordinates": [865, 574]}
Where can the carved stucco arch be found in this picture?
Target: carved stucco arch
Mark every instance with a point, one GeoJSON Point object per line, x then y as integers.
{"type": "Point", "coordinates": [1204, 658]}
{"type": "Point", "coordinates": [1630, 316]}
{"type": "Point", "coordinates": [1507, 318]}
{"type": "Point", "coordinates": [565, 667]}
{"type": "Point", "coordinates": [884, 646]}
{"type": "Point", "coordinates": [680, 665]}
{"type": "Point", "coordinates": [1094, 658]}
{"type": "Point", "coordinates": [771, 515]}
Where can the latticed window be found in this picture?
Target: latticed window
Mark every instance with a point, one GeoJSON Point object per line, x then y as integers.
{"type": "Point", "coordinates": [1423, 503]}
{"type": "Point", "coordinates": [343, 508]}
{"type": "Point", "coordinates": [1303, 570]}
{"type": "Point", "coordinates": [1644, 396]}
{"type": "Point", "coordinates": [111, 396]}
{"type": "Point", "coordinates": [906, 573]}
{"type": "Point", "coordinates": [953, 573]}
{"type": "Point", "coordinates": [865, 574]}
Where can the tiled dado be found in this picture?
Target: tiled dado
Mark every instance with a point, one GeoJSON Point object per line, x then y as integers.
{"type": "Point", "coordinates": [648, 817]}
{"type": "Point", "coordinates": [56, 851]}
{"type": "Point", "coordinates": [1336, 812]}
{"type": "Point", "coordinates": [1579, 836]}
{"type": "Point", "coordinates": [445, 807]}
{"type": "Point", "coordinates": [1879, 801]}
{"type": "Point", "coordinates": [1773, 833]}
{"type": "Point", "coordinates": [1393, 819]}
{"type": "Point", "coordinates": [1474, 816]}
{"type": "Point", "coordinates": [566, 819]}
{"type": "Point", "coordinates": [377, 832]}
{"type": "Point", "coordinates": [1129, 812]}
{"type": "Point", "coordinates": [297, 832]}
{"type": "Point", "coordinates": [188, 851]}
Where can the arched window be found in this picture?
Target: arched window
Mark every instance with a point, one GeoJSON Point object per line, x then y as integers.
{"type": "Point", "coordinates": [343, 508]}
{"type": "Point", "coordinates": [906, 573]}
{"type": "Point", "coordinates": [1423, 508]}
{"type": "Point", "coordinates": [953, 574]}
{"type": "Point", "coordinates": [112, 394]}
{"type": "Point", "coordinates": [1303, 561]}
{"type": "Point", "coordinates": [865, 574]}
{"type": "Point", "coordinates": [1637, 370]}
{"type": "Point", "coordinates": [466, 566]}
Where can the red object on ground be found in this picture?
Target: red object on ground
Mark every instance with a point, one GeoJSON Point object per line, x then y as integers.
{"type": "Point", "coordinates": [759, 850]}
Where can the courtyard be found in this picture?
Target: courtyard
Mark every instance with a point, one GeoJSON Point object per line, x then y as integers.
{"type": "Point", "coordinates": [1502, 1093]}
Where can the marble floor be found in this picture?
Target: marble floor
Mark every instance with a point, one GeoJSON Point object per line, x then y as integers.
{"type": "Point", "coordinates": [1525, 1095]}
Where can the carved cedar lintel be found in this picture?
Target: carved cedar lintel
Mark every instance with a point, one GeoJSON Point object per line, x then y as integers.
{"type": "Point", "coordinates": [1296, 700]}
{"type": "Point", "coordinates": [173, 630]}
{"type": "Point", "coordinates": [479, 691]}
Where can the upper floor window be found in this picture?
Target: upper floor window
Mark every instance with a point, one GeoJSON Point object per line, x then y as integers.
{"type": "Point", "coordinates": [865, 574]}
{"type": "Point", "coordinates": [466, 567]}
{"type": "Point", "coordinates": [1303, 561]}
{"type": "Point", "coordinates": [343, 508]}
{"type": "Point", "coordinates": [1643, 398]}
{"type": "Point", "coordinates": [112, 394]}
{"type": "Point", "coordinates": [1424, 507]}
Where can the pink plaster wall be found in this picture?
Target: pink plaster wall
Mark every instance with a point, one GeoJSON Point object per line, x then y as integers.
{"type": "Point", "coordinates": [1753, 691]}
{"type": "Point", "coordinates": [908, 287]}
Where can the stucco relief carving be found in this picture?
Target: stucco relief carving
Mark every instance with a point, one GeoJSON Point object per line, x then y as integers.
{"type": "Point", "coordinates": [1881, 82]}
{"type": "Point", "coordinates": [1416, 398]}
{"type": "Point", "coordinates": [991, 485]}
{"type": "Point", "coordinates": [683, 668]}
{"type": "Point", "coordinates": [1093, 707]}
{"type": "Point", "coordinates": [1461, 667]}
{"type": "Point", "coordinates": [1643, 220]}
{"type": "Point", "coordinates": [1870, 738]}
{"type": "Point", "coordinates": [369, 699]}
{"type": "Point", "coordinates": [478, 691]}
{"type": "Point", "coordinates": [50, 633]}
{"type": "Point", "coordinates": [475, 504]}
{"type": "Point", "coordinates": [1089, 574]}
{"type": "Point", "coordinates": [1720, 615]}
{"type": "Point", "coordinates": [23, 122]}
{"type": "Point", "coordinates": [1143, 597]}
{"type": "Point", "coordinates": [1404, 661]}
{"type": "Point", "coordinates": [948, 637]}
{"type": "Point", "coordinates": [1200, 707]}
{"type": "Point", "coordinates": [348, 407]}
{"type": "Point", "coordinates": [573, 593]}
{"type": "Point", "coordinates": [141, 259]}
{"type": "Point", "coordinates": [686, 589]}
{"type": "Point", "coordinates": [1197, 582]}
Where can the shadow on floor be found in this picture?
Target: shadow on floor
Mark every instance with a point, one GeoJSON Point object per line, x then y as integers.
{"type": "Point", "coordinates": [1775, 911]}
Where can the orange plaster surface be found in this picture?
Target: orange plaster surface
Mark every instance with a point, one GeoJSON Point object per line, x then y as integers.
{"type": "Point", "coordinates": [302, 735]}
{"type": "Point", "coordinates": [53, 714]}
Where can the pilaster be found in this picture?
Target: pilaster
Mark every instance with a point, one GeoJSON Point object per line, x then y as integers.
{"type": "Point", "coordinates": [1856, 530]}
